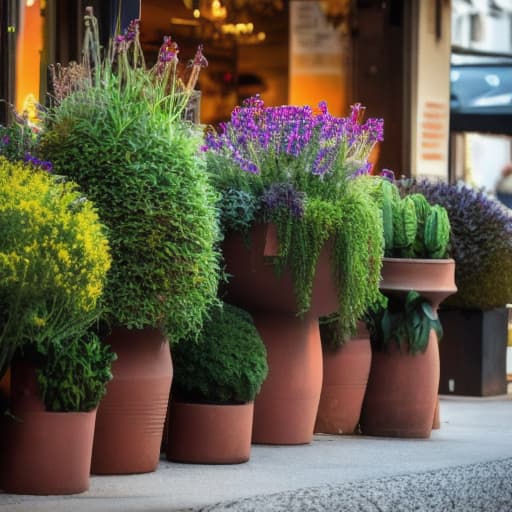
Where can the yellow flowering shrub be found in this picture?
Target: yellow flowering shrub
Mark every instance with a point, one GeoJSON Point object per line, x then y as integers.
{"type": "Point", "coordinates": [54, 256]}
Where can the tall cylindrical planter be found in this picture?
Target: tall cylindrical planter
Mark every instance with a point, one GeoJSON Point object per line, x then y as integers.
{"type": "Point", "coordinates": [401, 397]}
{"type": "Point", "coordinates": [286, 407]}
{"type": "Point", "coordinates": [43, 452]}
{"type": "Point", "coordinates": [346, 371]}
{"type": "Point", "coordinates": [209, 433]}
{"type": "Point", "coordinates": [131, 417]}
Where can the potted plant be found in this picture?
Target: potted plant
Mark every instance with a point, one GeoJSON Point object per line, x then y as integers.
{"type": "Point", "coordinates": [292, 243]}
{"type": "Point", "coordinates": [54, 258]}
{"type": "Point", "coordinates": [473, 353]}
{"type": "Point", "coordinates": [216, 380]}
{"type": "Point", "coordinates": [118, 131]}
{"type": "Point", "coordinates": [401, 397]}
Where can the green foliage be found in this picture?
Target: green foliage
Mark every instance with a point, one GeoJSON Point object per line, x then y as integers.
{"type": "Point", "coordinates": [354, 226]}
{"type": "Point", "coordinates": [226, 364]}
{"type": "Point", "coordinates": [437, 231]}
{"type": "Point", "coordinates": [16, 140]}
{"type": "Point", "coordinates": [54, 257]}
{"type": "Point", "coordinates": [74, 374]}
{"type": "Point", "coordinates": [412, 227]}
{"type": "Point", "coordinates": [121, 137]}
{"type": "Point", "coordinates": [405, 224]}
{"type": "Point", "coordinates": [405, 322]}
{"type": "Point", "coordinates": [237, 210]}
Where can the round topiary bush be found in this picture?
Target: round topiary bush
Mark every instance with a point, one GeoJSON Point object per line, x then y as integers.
{"type": "Point", "coordinates": [481, 243]}
{"type": "Point", "coordinates": [227, 364]}
{"type": "Point", "coordinates": [54, 257]}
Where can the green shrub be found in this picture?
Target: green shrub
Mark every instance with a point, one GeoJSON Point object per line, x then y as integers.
{"type": "Point", "coordinates": [74, 374]}
{"type": "Point", "coordinates": [54, 257]}
{"type": "Point", "coordinates": [121, 137]}
{"type": "Point", "coordinates": [227, 364]}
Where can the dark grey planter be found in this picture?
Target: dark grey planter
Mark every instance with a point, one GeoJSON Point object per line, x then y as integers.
{"type": "Point", "coordinates": [473, 352]}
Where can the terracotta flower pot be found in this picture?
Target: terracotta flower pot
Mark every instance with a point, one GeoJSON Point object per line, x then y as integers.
{"type": "Point", "coordinates": [285, 409]}
{"type": "Point", "coordinates": [131, 417]}
{"type": "Point", "coordinates": [209, 433]}
{"type": "Point", "coordinates": [48, 452]}
{"type": "Point", "coordinates": [401, 397]}
{"type": "Point", "coordinates": [43, 452]}
{"type": "Point", "coordinates": [346, 373]}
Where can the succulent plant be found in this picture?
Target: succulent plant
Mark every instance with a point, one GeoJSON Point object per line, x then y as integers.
{"type": "Point", "coordinates": [480, 241]}
{"type": "Point", "coordinates": [412, 227]}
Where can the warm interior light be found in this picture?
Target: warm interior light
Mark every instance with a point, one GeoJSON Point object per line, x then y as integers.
{"type": "Point", "coordinates": [196, 13]}
{"type": "Point", "coordinates": [30, 3]}
{"type": "Point", "coordinates": [218, 12]}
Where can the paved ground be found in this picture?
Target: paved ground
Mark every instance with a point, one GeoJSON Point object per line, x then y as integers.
{"type": "Point", "coordinates": [465, 466]}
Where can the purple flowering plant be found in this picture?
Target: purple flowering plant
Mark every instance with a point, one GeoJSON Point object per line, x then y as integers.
{"type": "Point", "coordinates": [313, 151]}
{"type": "Point", "coordinates": [297, 166]}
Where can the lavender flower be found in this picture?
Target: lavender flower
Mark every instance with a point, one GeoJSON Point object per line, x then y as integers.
{"type": "Point", "coordinates": [6, 140]}
{"type": "Point", "coordinates": [283, 196]}
{"type": "Point", "coordinates": [294, 143]}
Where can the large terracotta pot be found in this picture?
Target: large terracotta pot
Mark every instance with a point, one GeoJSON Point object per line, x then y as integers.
{"type": "Point", "coordinates": [346, 373]}
{"type": "Point", "coordinates": [401, 397]}
{"type": "Point", "coordinates": [131, 417]}
{"type": "Point", "coordinates": [209, 433]}
{"type": "Point", "coordinates": [43, 452]}
{"type": "Point", "coordinates": [285, 409]}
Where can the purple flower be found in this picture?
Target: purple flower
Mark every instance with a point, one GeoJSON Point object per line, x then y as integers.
{"type": "Point", "coordinates": [199, 59]}
{"type": "Point", "coordinates": [283, 196]}
{"type": "Point", "coordinates": [36, 162]}
{"type": "Point", "coordinates": [292, 138]}
{"type": "Point", "coordinates": [388, 174]}
{"type": "Point", "coordinates": [168, 51]}
{"type": "Point", "coordinates": [6, 140]}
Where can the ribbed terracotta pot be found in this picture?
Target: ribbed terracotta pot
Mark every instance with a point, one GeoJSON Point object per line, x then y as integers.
{"type": "Point", "coordinates": [43, 452]}
{"type": "Point", "coordinates": [131, 417]}
{"type": "Point", "coordinates": [402, 393]}
{"type": "Point", "coordinates": [346, 373]}
{"type": "Point", "coordinates": [209, 433]}
{"type": "Point", "coordinates": [286, 407]}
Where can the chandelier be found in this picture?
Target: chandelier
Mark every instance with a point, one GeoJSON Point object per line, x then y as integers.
{"type": "Point", "coordinates": [234, 18]}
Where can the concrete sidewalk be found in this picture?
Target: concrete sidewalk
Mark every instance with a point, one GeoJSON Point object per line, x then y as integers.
{"type": "Point", "coordinates": [465, 466]}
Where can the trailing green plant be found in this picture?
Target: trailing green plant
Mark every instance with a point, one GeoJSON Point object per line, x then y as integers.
{"type": "Point", "coordinates": [54, 257]}
{"type": "Point", "coordinates": [119, 133]}
{"type": "Point", "coordinates": [405, 321]}
{"type": "Point", "coordinates": [226, 364]}
{"type": "Point", "coordinates": [412, 227]}
{"type": "Point", "coordinates": [74, 373]}
{"type": "Point", "coordinates": [480, 240]}
{"type": "Point", "coordinates": [296, 170]}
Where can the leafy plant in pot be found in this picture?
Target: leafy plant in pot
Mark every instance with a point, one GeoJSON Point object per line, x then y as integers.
{"type": "Point", "coordinates": [216, 380]}
{"type": "Point", "coordinates": [293, 243]}
{"type": "Point", "coordinates": [119, 132]}
{"type": "Point", "coordinates": [54, 257]}
{"type": "Point", "coordinates": [473, 354]}
{"type": "Point", "coordinates": [401, 396]}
